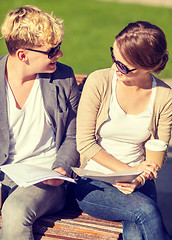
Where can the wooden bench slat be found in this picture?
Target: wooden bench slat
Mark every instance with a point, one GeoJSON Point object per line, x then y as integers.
{"type": "Point", "coordinates": [91, 226]}
{"type": "Point", "coordinates": [75, 233]}
{"type": "Point", "coordinates": [37, 237]}
{"type": "Point", "coordinates": [80, 80]}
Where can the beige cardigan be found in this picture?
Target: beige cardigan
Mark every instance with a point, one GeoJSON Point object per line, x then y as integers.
{"type": "Point", "coordinates": [93, 111]}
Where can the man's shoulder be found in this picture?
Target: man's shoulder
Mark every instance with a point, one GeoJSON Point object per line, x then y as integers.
{"type": "Point", "coordinates": [3, 56]}
{"type": "Point", "coordinates": [63, 70]}
{"type": "Point", "coordinates": [3, 59]}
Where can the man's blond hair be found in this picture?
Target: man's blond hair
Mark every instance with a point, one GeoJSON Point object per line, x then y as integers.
{"type": "Point", "coordinates": [29, 26]}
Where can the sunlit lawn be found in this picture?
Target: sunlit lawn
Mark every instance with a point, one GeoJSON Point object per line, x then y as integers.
{"type": "Point", "coordinates": [90, 28]}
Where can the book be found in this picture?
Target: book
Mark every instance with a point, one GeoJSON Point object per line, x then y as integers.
{"type": "Point", "coordinates": [121, 176]}
{"type": "Point", "coordinates": [25, 175]}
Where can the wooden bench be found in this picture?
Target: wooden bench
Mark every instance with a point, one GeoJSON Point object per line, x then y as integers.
{"type": "Point", "coordinates": [81, 78]}
{"type": "Point", "coordinates": [72, 223]}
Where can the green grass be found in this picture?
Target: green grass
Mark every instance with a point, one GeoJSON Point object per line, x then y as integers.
{"type": "Point", "coordinates": [90, 28]}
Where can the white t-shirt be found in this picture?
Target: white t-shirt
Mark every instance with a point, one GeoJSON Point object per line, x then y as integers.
{"type": "Point", "coordinates": [32, 138]}
{"type": "Point", "coordinates": [123, 134]}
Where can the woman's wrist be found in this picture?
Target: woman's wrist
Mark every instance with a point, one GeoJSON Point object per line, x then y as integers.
{"type": "Point", "coordinates": [141, 180]}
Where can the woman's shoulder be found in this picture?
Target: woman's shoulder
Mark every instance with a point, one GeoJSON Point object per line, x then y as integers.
{"type": "Point", "coordinates": [161, 84]}
{"type": "Point", "coordinates": [98, 84]}
{"type": "Point", "coordinates": [101, 76]}
{"type": "Point", "coordinates": [164, 91]}
{"type": "Point", "coordinates": [102, 72]}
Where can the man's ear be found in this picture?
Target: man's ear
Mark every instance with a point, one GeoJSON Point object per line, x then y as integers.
{"type": "Point", "coordinates": [22, 55]}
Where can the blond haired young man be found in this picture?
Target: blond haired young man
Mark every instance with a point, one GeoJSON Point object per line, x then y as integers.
{"type": "Point", "coordinates": [38, 103]}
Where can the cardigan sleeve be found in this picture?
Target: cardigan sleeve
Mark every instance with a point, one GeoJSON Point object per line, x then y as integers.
{"type": "Point", "coordinates": [163, 113]}
{"type": "Point", "coordinates": [87, 116]}
{"type": "Point", "coordinates": [162, 123]}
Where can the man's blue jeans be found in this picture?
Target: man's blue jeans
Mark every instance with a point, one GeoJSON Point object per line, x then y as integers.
{"type": "Point", "coordinates": [138, 211]}
{"type": "Point", "coordinates": [22, 206]}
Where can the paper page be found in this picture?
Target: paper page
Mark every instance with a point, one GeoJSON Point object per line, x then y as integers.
{"type": "Point", "coordinates": [26, 175]}
{"type": "Point", "coordinates": [122, 176]}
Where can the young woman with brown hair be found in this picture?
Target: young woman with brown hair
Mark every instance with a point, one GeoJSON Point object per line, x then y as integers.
{"type": "Point", "coordinates": [125, 106]}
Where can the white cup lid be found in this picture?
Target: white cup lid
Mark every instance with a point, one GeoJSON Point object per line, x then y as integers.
{"type": "Point", "coordinates": [156, 145]}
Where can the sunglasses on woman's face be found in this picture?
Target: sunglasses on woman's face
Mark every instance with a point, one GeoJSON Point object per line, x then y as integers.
{"type": "Point", "coordinates": [51, 53]}
{"type": "Point", "coordinates": [121, 67]}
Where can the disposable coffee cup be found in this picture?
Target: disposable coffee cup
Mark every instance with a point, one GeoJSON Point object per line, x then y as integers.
{"type": "Point", "coordinates": [155, 151]}
{"type": "Point", "coordinates": [0, 197]}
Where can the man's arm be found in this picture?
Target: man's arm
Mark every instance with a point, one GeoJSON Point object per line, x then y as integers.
{"type": "Point", "coordinates": [67, 155]}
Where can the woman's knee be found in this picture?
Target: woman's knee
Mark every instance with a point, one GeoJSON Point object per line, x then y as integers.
{"type": "Point", "coordinates": [147, 211]}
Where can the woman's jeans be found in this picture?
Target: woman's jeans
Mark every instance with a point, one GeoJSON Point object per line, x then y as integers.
{"type": "Point", "coordinates": [138, 211]}
{"type": "Point", "coordinates": [22, 206]}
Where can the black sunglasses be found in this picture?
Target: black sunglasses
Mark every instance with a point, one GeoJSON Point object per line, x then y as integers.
{"type": "Point", "coordinates": [121, 67]}
{"type": "Point", "coordinates": [51, 53]}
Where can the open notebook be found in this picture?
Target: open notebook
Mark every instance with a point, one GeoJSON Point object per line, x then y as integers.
{"type": "Point", "coordinates": [25, 175]}
{"type": "Point", "coordinates": [121, 176]}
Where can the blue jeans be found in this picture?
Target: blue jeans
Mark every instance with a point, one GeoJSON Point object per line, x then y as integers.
{"type": "Point", "coordinates": [22, 206]}
{"type": "Point", "coordinates": [138, 211]}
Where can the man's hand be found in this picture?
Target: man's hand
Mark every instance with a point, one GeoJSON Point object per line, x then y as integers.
{"type": "Point", "coordinates": [56, 182]}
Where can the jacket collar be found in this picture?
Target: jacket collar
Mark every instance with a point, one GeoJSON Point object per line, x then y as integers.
{"type": "Point", "coordinates": [4, 127]}
{"type": "Point", "coordinates": [3, 101]}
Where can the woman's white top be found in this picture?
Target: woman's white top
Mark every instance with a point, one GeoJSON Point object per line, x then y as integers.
{"type": "Point", "coordinates": [32, 139]}
{"type": "Point", "coordinates": [123, 134]}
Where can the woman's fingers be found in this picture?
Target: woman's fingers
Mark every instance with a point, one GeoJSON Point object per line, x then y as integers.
{"type": "Point", "coordinates": [126, 188]}
{"type": "Point", "coordinates": [148, 167]}
{"type": "Point", "coordinates": [148, 175]}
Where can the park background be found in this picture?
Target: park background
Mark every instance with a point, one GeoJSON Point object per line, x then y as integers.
{"type": "Point", "coordinates": [91, 26]}
{"type": "Point", "coordinates": [90, 29]}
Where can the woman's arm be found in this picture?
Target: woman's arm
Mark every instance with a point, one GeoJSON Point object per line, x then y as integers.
{"type": "Point", "coordinates": [108, 161]}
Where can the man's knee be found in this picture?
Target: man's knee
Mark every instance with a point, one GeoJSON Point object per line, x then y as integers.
{"type": "Point", "coordinates": [15, 213]}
